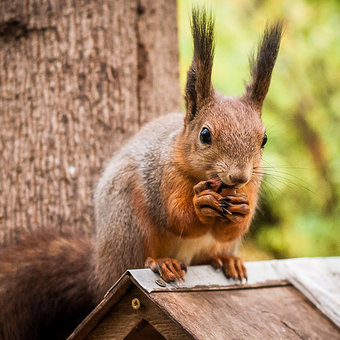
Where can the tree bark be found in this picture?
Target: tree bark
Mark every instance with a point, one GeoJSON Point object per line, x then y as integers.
{"type": "Point", "coordinates": [76, 79]}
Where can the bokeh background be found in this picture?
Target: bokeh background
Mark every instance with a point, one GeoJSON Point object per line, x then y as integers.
{"type": "Point", "coordinates": [299, 213]}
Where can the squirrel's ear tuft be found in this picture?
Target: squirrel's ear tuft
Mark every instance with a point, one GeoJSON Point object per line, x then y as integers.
{"type": "Point", "coordinates": [198, 86]}
{"type": "Point", "coordinates": [261, 66]}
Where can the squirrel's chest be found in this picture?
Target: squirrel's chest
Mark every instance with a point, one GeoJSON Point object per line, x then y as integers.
{"type": "Point", "coordinates": [196, 250]}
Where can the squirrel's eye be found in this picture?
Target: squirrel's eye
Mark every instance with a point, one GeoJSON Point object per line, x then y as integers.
{"type": "Point", "coordinates": [205, 136]}
{"type": "Point", "coordinates": [264, 141]}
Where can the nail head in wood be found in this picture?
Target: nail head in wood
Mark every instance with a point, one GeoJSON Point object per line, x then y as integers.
{"type": "Point", "coordinates": [135, 303]}
{"type": "Point", "coordinates": [160, 283]}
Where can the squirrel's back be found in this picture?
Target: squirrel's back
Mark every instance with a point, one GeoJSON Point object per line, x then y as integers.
{"type": "Point", "coordinates": [137, 166]}
{"type": "Point", "coordinates": [155, 139]}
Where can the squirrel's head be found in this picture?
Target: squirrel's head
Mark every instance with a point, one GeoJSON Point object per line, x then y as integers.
{"type": "Point", "coordinates": [225, 136]}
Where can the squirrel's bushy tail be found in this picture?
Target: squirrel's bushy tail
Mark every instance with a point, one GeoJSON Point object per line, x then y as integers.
{"type": "Point", "coordinates": [44, 286]}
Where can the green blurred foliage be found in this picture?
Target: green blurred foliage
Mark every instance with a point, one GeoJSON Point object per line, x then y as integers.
{"type": "Point", "coordinates": [299, 211]}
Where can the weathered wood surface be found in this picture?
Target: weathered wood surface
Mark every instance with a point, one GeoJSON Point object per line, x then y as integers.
{"type": "Point", "coordinates": [317, 278]}
{"type": "Point", "coordinates": [213, 307]}
{"type": "Point", "coordinates": [76, 79]}
{"type": "Point", "coordinates": [144, 331]}
{"type": "Point", "coordinates": [122, 319]}
{"type": "Point", "coordinates": [260, 273]}
{"type": "Point", "coordinates": [109, 301]}
{"type": "Point", "coordinates": [258, 313]}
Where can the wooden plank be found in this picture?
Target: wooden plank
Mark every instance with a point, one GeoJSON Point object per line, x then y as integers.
{"type": "Point", "coordinates": [112, 297]}
{"type": "Point", "coordinates": [144, 331]}
{"type": "Point", "coordinates": [208, 278]}
{"type": "Point", "coordinates": [275, 312]}
{"type": "Point", "coordinates": [227, 310]}
{"type": "Point", "coordinates": [122, 319]}
{"type": "Point", "coordinates": [318, 279]}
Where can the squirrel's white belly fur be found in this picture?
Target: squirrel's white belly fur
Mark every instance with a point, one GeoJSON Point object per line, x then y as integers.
{"type": "Point", "coordinates": [191, 250]}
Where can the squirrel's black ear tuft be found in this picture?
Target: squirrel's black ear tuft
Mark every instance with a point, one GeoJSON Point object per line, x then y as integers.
{"type": "Point", "coordinates": [261, 66]}
{"type": "Point", "coordinates": [198, 86]}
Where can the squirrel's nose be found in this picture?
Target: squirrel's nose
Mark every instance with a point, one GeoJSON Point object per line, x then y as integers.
{"type": "Point", "coordinates": [235, 178]}
{"type": "Point", "coordinates": [238, 179]}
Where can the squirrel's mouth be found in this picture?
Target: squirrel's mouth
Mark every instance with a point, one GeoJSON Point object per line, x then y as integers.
{"type": "Point", "coordinates": [214, 175]}
{"type": "Point", "coordinates": [224, 186]}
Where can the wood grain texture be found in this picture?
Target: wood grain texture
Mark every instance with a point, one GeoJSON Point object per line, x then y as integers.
{"type": "Point", "coordinates": [122, 319]}
{"type": "Point", "coordinates": [111, 298]}
{"type": "Point", "coordinates": [76, 79]}
{"type": "Point", "coordinates": [144, 331]}
{"type": "Point", "coordinates": [262, 313]}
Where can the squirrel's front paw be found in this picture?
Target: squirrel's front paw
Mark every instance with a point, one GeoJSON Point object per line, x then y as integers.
{"type": "Point", "coordinates": [206, 203]}
{"type": "Point", "coordinates": [169, 269]}
{"type": "Point", "coordinates": [232, 266]}
{"type": "Point", "coordinates": [235, 207]}
{"type": "Point", "coordinates": [209, 202]}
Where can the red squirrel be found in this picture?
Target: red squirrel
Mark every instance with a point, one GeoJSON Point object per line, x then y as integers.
{"type": "Point", "coordinates": [181, 192]}
{"type": "Point", "coordinates": [152, 204]}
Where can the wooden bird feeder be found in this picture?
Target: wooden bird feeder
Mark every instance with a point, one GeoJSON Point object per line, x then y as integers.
{"type": "Point", "coordinates": [208, 306]}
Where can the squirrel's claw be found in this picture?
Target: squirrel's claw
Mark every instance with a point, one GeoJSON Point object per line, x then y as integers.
{"type": "Point", "coordinates": [225, 207]}
{"type": "Point", "coordinates": [236, 205]}
{"type": "Point", "coordinates": [235, 199]}
{"type": "Point", "coordinates": [169, 269]}
{"type": "Point", "coordinates": [209, 203]}
{"type": "Point", "coordinates": [207, 206]}
{"type": "Point", "coordinates": [241, 209]}
{"type": "Point", "coordinates": [232, 267]}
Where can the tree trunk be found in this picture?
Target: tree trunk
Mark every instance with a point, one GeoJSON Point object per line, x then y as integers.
{"type": "Point", "coordinates": [76, 79]}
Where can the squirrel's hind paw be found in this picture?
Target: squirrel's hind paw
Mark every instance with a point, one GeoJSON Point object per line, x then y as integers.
{"type": "Point", "coordinates": [232, 267]}
{"type": "Point", "coordinates": [169, 269]}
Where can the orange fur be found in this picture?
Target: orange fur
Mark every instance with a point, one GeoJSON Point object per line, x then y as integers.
{"type": "Point", "coordinates": [232, 231]}
{"type": "Point", "coordinates": [182, 219]}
